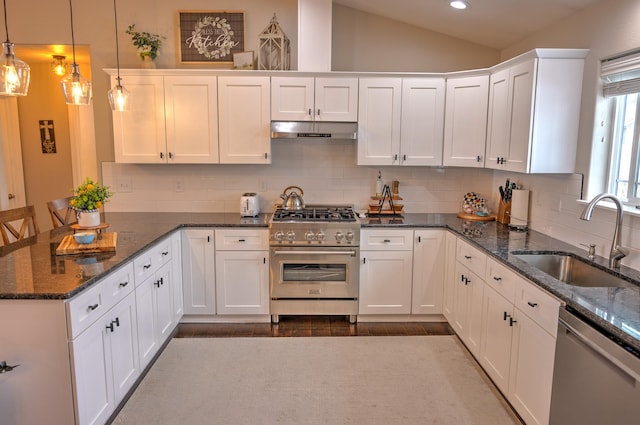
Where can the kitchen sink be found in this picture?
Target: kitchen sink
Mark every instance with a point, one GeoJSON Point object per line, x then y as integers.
{"type": "Point", "coordinates": [572, 270]}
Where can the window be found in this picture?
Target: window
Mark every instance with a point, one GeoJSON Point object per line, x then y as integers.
{"type": "Point", "coordinates": [621, 78]}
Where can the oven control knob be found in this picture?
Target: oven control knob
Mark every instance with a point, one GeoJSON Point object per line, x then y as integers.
{"type": "Point", "coordinates": [291, 235]}
{"type": "Point", "coordinates": [279, 235]}
{"type": "Point", "coordinates": [339, 236]}
{"type": "Point", "coordinates": [349, 236]}
{"type": "Point", "coordinates": [309, 235]}
{"type": "Point", "coordinates": [320, 235]}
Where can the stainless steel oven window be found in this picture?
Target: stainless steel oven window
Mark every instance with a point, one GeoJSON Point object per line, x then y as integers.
{"type": "Point", "coordinates": [314, 272]}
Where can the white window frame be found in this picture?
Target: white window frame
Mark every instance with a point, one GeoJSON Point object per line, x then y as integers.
{"type": "Point", "coordinates": [621, 77]}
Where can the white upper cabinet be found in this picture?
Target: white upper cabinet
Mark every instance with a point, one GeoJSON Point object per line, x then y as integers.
{"type": "Point", "coordinates": [245, 123]}
{"type": "Point", "coordinates": [465, 121]}
{"type": "Point", "coordinates": [139, 134]}
{"type": "Point", "coordinates": [422, 123]}
{"type": "Point", "coordinates": [401, 121]}
{"type": "Point", "coordinates": [534, 108]}
{"type": "Point", "coordinates": [171, 119]}
{"type": "Point", "coordinates": [191, 114]}
{"type": "Point", "coordinates": [379, 109]}
{"type": "Point", "coordinates": [314, 99]}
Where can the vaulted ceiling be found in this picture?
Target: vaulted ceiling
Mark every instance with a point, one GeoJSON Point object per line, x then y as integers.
{"type": "Point", "coordinates": [491, 23]}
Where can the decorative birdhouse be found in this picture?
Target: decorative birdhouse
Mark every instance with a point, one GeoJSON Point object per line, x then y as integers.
{"type": "Point", "coordinates": [274, 52]}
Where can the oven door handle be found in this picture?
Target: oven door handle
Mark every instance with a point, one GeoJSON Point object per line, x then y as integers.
{"type": "Point", "coordinates": [350, 252]}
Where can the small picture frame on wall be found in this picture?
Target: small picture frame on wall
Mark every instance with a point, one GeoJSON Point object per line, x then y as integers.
{"type": "Point", "coordinates": [47, 136]}
{"type": "Point", "coordinates": [243, 60]}
{"type": "Point", "coordinates": [210, 36]}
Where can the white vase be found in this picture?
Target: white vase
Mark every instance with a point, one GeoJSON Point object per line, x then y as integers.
{"type": "Point", "coordinates": [148, 63]}
{"type": "Point", "coordinates": [88, 218]}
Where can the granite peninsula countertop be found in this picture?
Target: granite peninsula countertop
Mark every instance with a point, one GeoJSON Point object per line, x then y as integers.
{"type": "Point", "coordinates": [36, 272]}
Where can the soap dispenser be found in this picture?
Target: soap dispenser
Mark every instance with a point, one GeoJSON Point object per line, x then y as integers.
{"type": "Point", "coordinates": [379, 184]}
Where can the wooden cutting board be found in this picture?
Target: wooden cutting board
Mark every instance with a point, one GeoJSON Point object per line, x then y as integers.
{"type": "Point", "coordinates": [474, 217]}
{"type": "Point", "coordinates": [70, 246]}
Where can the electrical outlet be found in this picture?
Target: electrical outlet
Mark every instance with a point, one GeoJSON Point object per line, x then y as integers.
{"type": "Point", "coordinates": [263, 186]}
{"type": "Point", "coordinates": [179, 186]}
{"type": "Point", "coordinates": [123, 185]}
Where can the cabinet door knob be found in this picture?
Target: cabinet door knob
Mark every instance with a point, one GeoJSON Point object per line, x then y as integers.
{"type": "Point", "coordinates": [11, 196]}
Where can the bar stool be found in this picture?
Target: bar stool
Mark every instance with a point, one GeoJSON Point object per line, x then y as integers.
{"type": "Point", "coordinates": [61, 212]}
{"type": "Point", "coordinates": [27, 228]}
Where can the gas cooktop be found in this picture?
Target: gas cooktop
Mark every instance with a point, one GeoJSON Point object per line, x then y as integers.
{"type": "Point", "coordinates": [316, 213]}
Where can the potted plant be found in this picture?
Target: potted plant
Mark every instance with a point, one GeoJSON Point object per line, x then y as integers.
{"type": "Point", "coordinates": [87, 199]}
{"type": "Point", "coordinates": [148, 44]}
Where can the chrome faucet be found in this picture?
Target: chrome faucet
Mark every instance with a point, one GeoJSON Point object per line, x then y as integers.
{"type": "Point", "coordinates": [617, 252]}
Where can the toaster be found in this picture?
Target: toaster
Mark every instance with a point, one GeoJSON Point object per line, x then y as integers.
{"type": "Point", "coordinates": [249, 205]}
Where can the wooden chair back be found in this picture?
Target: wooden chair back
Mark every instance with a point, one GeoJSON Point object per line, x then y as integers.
{"type": "Point", "coordinates": [61, 212]}
{"type": "Point", "coordinates": [20, 223]}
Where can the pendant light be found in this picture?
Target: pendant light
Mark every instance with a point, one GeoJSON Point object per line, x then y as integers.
{"type": "Point", "coordinates": [118, 96]}
{"type": "Point", "coordinates": [14, 74]}
{"type": "Point", "coordinates": [59, 65]}
{"type": "Point", "coordinates": [76, 88]}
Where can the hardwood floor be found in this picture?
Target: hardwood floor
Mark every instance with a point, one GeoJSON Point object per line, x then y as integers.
{"type": "Point", "coordinates": [305, 326]}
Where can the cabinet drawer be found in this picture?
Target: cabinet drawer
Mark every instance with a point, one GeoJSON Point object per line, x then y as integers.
{"type": "Point", "coordinates": [241, 239]}
{"type": "Point", "coordinates": [387, 240]}
{"type": "Point", "coordinates": [147, 263]}
{"type": "Point", "coordinates": [471, 257]}
{"type": "Point", "coordinates": [541, 307]}
{"type": "Point", "coordinates": [86, 308]}
{"type": "Point", "coordinates": [506, 282]}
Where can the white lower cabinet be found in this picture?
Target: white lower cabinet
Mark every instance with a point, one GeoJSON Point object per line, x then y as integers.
{"type": "Point", "coordinates": [155, 312]}
{"type": "Point", "coordinates": [518, 341]}
{"type": "Point", "coordinates": [386, 264]}
{"type": "Point", "coordinates": [198, 271]}
{"type": "Point", "coordinates": [448, 302]}
{"type": "Point", "coordinates": [105, 363]}
{"type": "Point", "coordinates": [428, 271]}
{"type": "Point", "coordinates": [467, 293]}
{"type": "Point", "coordinates": [242, 271]}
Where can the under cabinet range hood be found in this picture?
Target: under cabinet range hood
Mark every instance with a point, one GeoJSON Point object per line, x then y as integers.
{"type": "Point", "coordinates": [314, 130]}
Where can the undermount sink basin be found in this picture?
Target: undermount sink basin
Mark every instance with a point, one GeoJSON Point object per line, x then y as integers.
{"type": "Point", "coordinates": [572, 270]}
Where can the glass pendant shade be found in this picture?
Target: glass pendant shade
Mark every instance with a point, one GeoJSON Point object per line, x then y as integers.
{"type": "Point", "coordinates": [14, 74]}
{"type": "Point", "coordinates": [119, 98]}
{"type": "Point", "coordinates": [59, 65]}
{"type": "Point", "coordinates": [76, 88]}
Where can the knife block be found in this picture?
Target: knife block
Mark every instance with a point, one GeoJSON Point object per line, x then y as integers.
{"type": "Point", "coordinates": [504, 212]}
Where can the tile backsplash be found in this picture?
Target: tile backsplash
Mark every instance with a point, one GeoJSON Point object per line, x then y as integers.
{"type": "Point", "coordinates": [327, 173]}
{"type": "Point", "coordinates": [325, 170]}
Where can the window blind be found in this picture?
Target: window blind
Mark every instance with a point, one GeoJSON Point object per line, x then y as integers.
{"type": "Point", "coordinates": [621, 75]}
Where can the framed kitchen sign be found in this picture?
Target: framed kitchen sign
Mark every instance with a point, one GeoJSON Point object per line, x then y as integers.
{"type": "Point", "coordinates": [210, 37]}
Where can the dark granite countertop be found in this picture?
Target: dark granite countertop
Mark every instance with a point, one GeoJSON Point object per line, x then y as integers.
{"type": "Point", "coordinates": [36, 272]}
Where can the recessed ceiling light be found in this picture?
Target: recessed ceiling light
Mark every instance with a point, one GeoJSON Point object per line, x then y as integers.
{"type": "Point", "coordinates": [459, 4]}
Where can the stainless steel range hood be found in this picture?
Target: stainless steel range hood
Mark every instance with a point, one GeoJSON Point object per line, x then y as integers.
{"type": "Point", "coordinates": [314, 130]}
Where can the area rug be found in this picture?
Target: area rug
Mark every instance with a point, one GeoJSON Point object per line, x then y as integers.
{"type": "Point", "coordinates": [307, 381]}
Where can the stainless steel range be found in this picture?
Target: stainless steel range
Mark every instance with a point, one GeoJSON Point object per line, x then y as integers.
{"type": "Point", "coordinates": [314, 253]}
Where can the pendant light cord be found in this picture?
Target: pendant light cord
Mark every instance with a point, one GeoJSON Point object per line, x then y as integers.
{"type": "Point", "coordinates": [6, 26]}
{"type": "Point", "coordinates": [73, 42]}
{"type": "Point", "coordinates": [115, 18]}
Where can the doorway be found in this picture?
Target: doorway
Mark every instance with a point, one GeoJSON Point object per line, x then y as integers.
{"type": "Point", "coordinates": [55, 146]}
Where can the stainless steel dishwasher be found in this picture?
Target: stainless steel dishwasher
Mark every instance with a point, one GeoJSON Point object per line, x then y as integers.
{"type": "Point", "coordinates": [595, 380]}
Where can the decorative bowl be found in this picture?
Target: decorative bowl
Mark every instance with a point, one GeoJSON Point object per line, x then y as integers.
{"type": "Point", "coordinates": [84, 237]}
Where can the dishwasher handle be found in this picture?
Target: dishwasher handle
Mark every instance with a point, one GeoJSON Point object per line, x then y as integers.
{"type": "Point", "coordinates": [593, 340]}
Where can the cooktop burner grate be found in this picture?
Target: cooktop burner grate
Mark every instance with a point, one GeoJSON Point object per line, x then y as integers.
{"type": "Point", "coordinates": [325, 214]}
